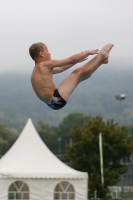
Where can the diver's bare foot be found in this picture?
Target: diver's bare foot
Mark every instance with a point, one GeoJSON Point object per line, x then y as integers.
{"type": "Point", "coordinates": [104, 52]}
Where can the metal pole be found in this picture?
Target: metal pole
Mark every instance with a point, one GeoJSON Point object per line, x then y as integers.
{"type": "Point", "coordinates": [70, 142]}
{"type": "Point", "coordinates": [131, 174]}
{"type": "Point", "coordinates": [101, 159]}
{"type": "Point", "coordinates": [95, 194]}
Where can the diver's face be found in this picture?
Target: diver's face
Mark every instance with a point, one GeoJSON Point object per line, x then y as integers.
{"type": "Point", "coordinates": [47, 54]}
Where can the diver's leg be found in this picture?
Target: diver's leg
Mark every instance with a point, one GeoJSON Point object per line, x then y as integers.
{"type": "Point", "coordinates": [84, 72]}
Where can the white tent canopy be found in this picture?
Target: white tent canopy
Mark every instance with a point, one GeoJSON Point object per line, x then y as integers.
{"type": "Point", "coordinates": [30, 159]}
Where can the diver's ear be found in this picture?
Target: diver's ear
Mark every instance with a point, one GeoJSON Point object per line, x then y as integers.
{"type": "Point", "coordinates": [41, 54]}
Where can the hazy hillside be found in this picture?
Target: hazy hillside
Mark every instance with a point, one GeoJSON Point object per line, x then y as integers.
{"type": "Point", "coordinates": [94, 96]}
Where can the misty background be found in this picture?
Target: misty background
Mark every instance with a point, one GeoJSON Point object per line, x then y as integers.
{"type": "Point", "coordinates": [66, 27]}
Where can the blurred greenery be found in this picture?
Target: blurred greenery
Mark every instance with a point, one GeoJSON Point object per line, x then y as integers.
{"type": "Point", "coordinates": [84, 152]}
{"type": "Point", "coordinates": [128, 198]}
{"type": "Point", "coordinates": [48, 135]}
{"type": "Point", "coordinates": [95, 96]}
{"type": "Point", "coordinates": [65, 126]}
{"type": "Point", "coordinates": [7, 138]}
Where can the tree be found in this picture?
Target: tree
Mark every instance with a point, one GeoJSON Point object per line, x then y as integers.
{"type": "Point", "coordinates": [130, 130]}
{"type": "Point", "coordinates": [7, 138]}
{"type": "Point", "coordinates": [48, 135]}
{"type": "Point", "coordinates": [65, 126]}
{"type": "Point", "coordinates": [84, 153]}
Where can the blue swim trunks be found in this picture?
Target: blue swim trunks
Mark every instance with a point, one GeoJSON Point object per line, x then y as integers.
{"type": "Point", "coordinates": [57, 101]}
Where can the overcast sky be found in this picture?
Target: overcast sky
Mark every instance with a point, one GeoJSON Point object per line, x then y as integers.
{"type": "Point", "coordinates": [66, 27]}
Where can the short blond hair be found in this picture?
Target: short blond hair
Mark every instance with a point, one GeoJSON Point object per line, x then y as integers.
{"type": "Point", "coordinates": [35, 49]}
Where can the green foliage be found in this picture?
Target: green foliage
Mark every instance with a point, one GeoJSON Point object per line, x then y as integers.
{"type": "Point", "coordinates": [67, 123]}
{"type": "Point", "coordinates": [84, 153]}
{"type": "Point", "coordinates": [3, 146]}
{"type": "Point", "coordinates": [130, 130]}
{"type": "Point", "coordinates": [48, 135]}
{"type": "Point", "coordinates": [7, 138]}
{"type": "Point", "coordinates": [128, 198]}
{"type": "Point", "coordinates": [94, 96]}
